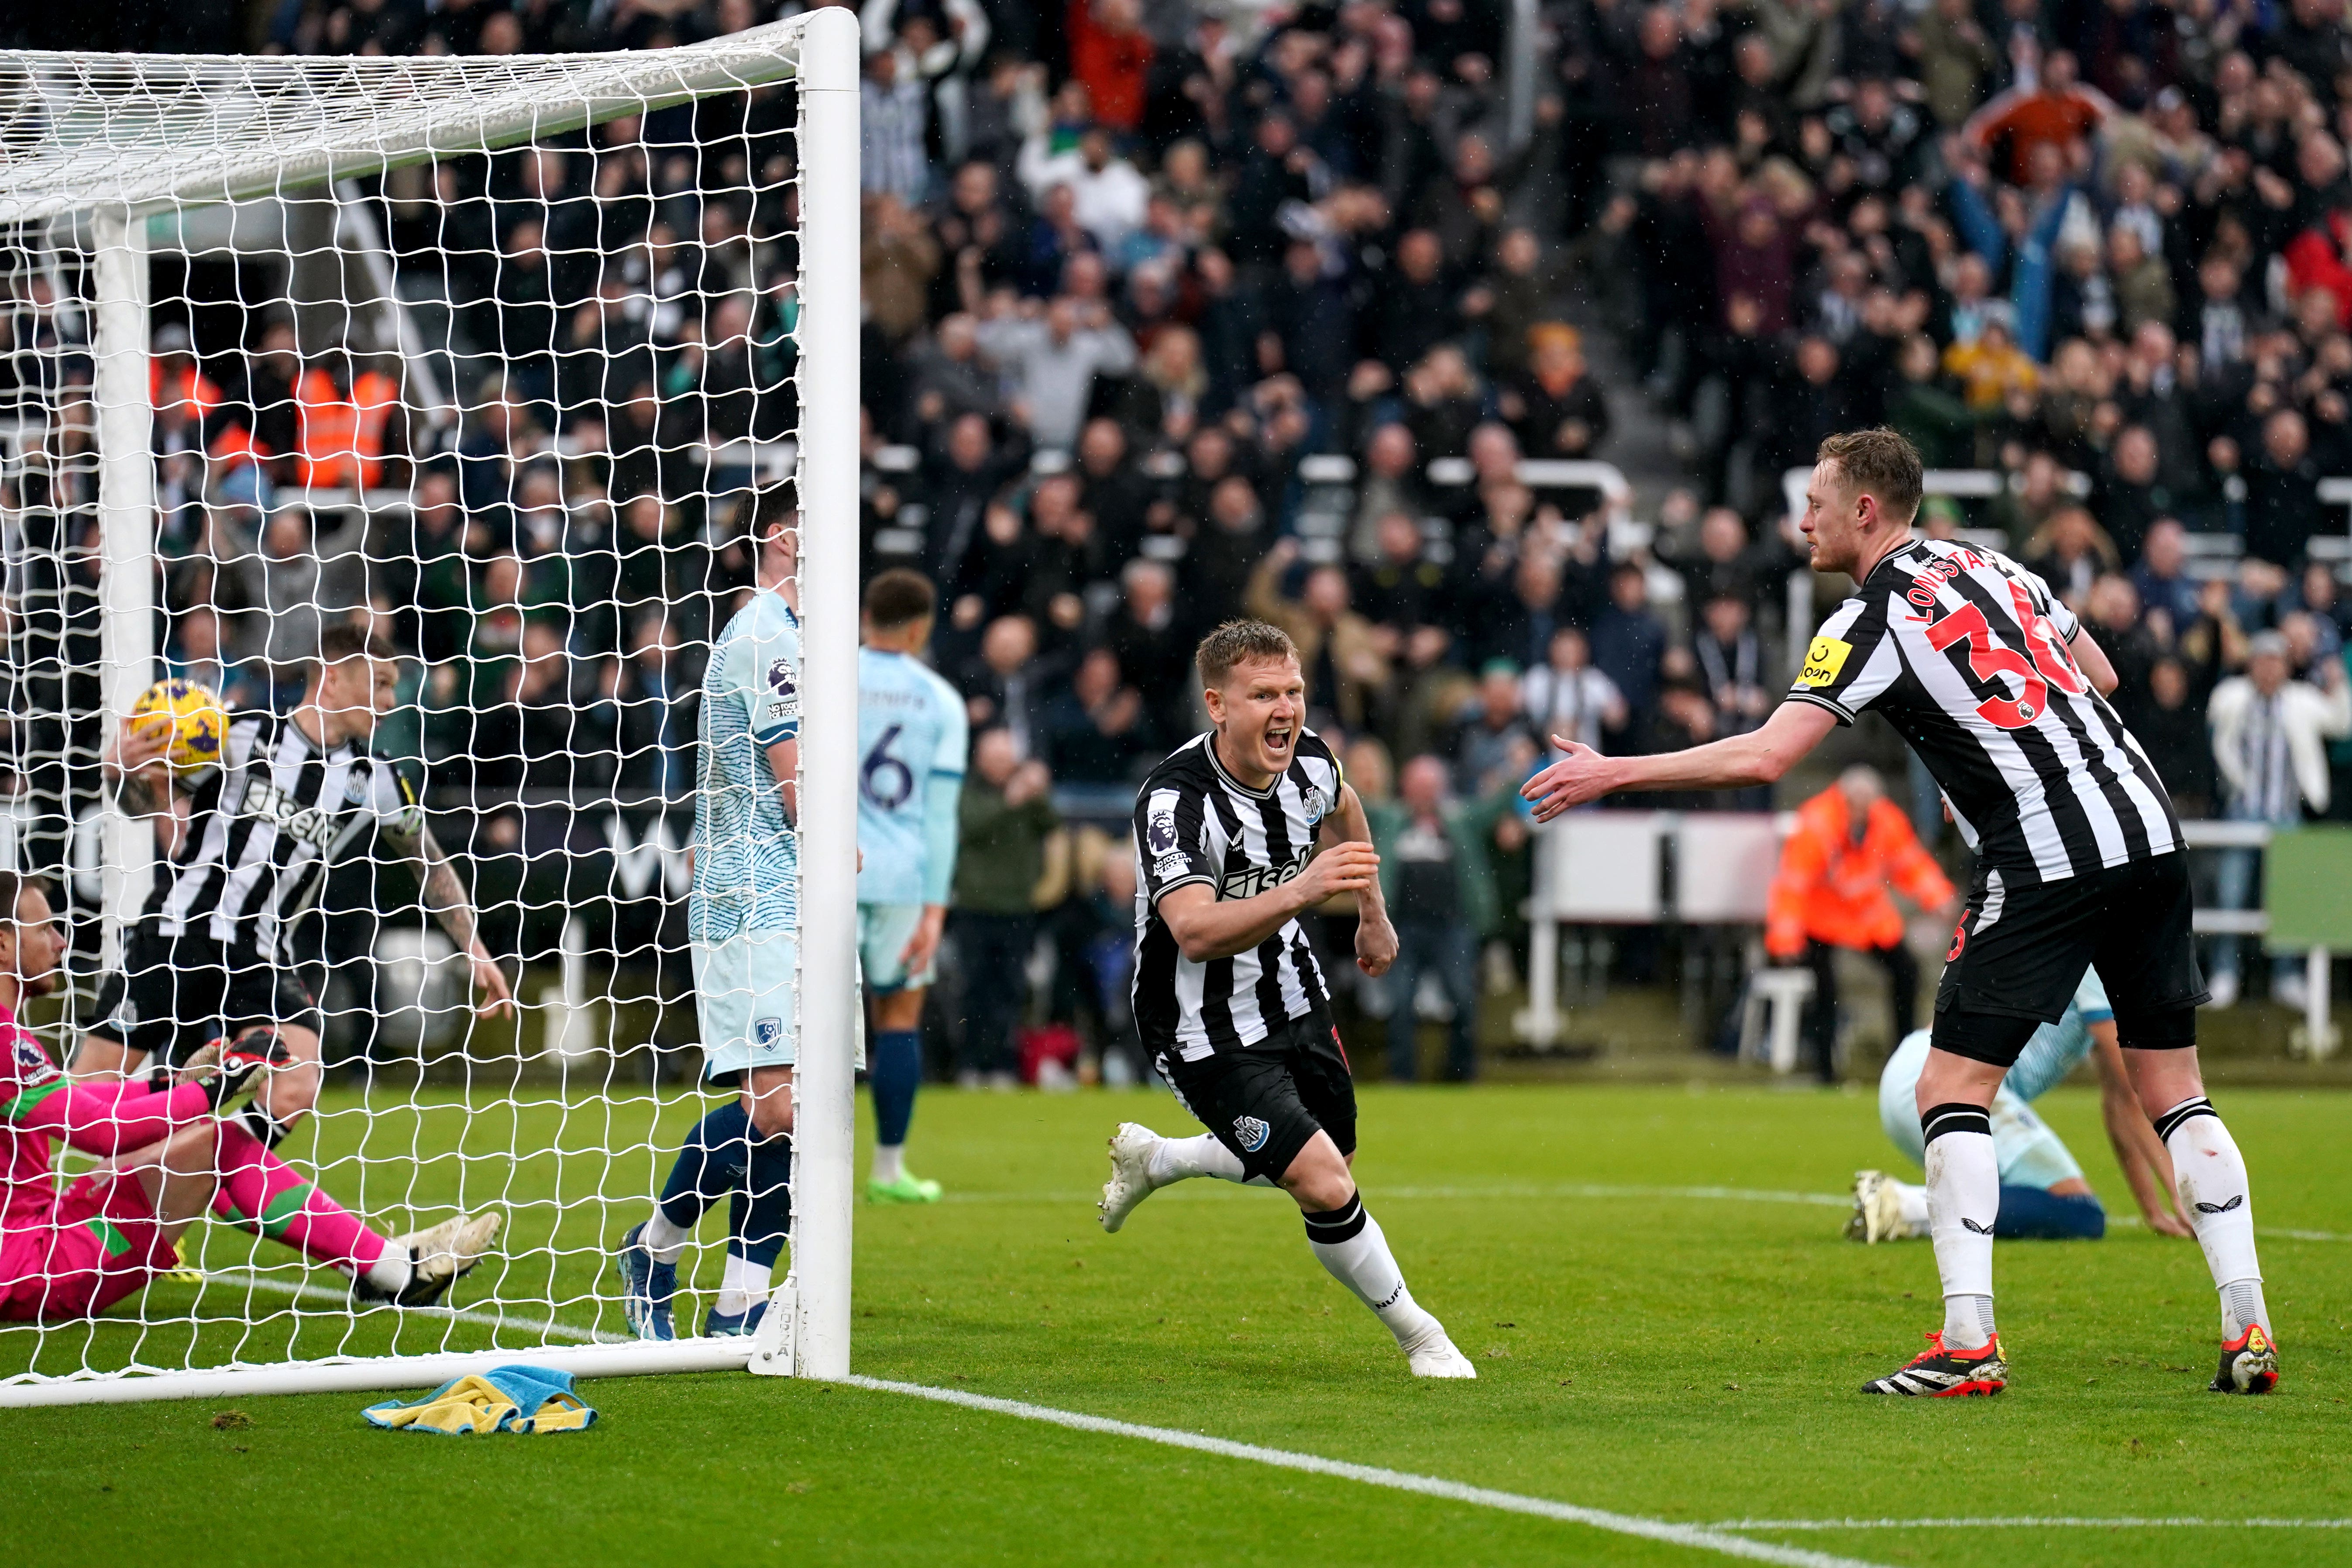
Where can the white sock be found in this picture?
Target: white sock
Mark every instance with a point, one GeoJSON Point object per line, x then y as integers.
{"type": "Point", "coordinates": [664, 1241]}
{"type": "Point", "coordinates": [1349, 1243]}
{"type": "Point", "coordinates": [1963, 1200]}
{"type": "Point", "coordinates": [1912, 1202]}
{"type": "Point", "coordinates": [392, 1272]}
{"type": "Point", "coordinates": [743, 1283]}
{"type": "Point", "coordinates": [2219, 1208]}
{"type": "Point", "coordinates": [1179, 1159]}
{"type": "Point", "coordinates": [889, 1161]}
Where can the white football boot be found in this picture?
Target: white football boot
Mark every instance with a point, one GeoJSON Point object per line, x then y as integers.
{"type": "Point", "coordinates": [1435, 1356]}
{"type": "Point", "coordinates": [1877, 1209]}
{"type": "Point", "coordinates": [1130, 1173]}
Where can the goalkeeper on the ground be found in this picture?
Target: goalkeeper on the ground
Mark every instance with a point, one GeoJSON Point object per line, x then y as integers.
{"type": "Point", "coordinates": [166, 1154]}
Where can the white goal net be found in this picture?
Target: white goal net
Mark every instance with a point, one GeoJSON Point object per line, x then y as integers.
{"type": "Point", "coordinates": [396, 438]}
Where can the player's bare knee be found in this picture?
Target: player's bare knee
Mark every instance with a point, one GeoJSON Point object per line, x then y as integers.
{"type": "Point", "coordinates": [1318, 1176]}
{"type": "Point", "coordinates": [2160, 1054]}
{"type": "Point", "coordinates": [769, 1102]}
{"type": "Point", "coordinates": [898, 1010]}
{"type": "Point", "coordinates": [1946, 1079]}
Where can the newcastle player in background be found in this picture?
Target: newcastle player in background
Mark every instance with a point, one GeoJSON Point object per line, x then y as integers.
{"type": "Point", "coordinates": [1228, 996]}
{"type": "Point", "coordinates": [249, 838]}
{"type": "Point", "coordinates": [2002, 692]}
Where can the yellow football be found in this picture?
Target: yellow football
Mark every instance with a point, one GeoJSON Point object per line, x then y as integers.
{"type": "Point", "coordinates": [199, 723]}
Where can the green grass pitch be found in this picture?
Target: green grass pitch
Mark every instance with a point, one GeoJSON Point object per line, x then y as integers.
{"type": "Point", "coordinates": [1674, 1356]}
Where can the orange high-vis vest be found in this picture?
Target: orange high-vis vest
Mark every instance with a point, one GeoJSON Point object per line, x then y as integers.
{"type": "Point", "coordinates": [342, 437]}
{"type": "Point", "coordinates": [1834, 890]}
{"type": "Point", "coordinates": [190, 393]}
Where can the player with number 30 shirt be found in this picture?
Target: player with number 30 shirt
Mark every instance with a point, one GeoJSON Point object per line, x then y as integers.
{"type": "Point", "coordinates": [2002, 693]}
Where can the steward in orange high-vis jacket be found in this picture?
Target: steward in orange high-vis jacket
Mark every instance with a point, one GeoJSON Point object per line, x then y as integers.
{"type": "Point", "coordinates": [1851, 846]}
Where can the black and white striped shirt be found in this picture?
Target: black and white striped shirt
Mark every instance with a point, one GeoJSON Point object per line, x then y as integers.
{"type": "Point", "coordinates": [1194, 822]}
{"type": "Point", "coordinates": [263, 824]}
{"type": "Point", "coordinates": [1964, 652]}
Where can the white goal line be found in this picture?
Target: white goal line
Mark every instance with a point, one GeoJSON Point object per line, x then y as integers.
{"type": "Point", "coordinates": [1699, 1537]}
{"type": "Point", "coordinates": [1718, 1537]}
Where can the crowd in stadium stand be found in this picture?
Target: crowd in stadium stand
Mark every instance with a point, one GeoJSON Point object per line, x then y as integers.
{"type": "Point", "coordinates": [1136, 270]}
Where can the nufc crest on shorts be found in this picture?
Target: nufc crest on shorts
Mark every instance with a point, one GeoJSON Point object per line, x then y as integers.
{"type": "Point", "coordinates": [767, 1032]}
{"type": "Point", "coordinates": [1252, 1132]}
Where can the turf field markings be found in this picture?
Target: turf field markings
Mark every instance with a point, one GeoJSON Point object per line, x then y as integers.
{"type": "Point", "coordinates": [1195, 1191]}
{"type": "Point", "coordinates": [2032, 1523]}
{"type": "Point", "coordinates": [1700, 1537]}
{"type": "Point", "coordinates": [539, 1326]}
{"type": "Point", "coordinates": [1492, 1190]}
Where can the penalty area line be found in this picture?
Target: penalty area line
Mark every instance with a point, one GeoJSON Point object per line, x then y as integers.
{"type": "Point", "coordinates": [1700, 1537]}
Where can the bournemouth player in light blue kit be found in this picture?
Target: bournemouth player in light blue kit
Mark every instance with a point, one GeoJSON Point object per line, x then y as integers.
{"type": "Point", "coordinates": [911, 737]}
{"type": "Point", "coordinates": [2042, 1192]}
{"type": "Point", "coordinates": [743, 921]}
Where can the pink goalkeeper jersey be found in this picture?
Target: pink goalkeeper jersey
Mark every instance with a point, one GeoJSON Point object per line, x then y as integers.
{"type": "Point", "coordinates": [38, 1104]}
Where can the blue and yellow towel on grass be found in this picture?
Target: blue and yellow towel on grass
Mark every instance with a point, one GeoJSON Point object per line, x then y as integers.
{"type": "Point", "coordinates": [503, 1399]}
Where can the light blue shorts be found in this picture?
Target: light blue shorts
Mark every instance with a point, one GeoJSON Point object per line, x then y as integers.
{"type": "Point", "coordinates": [2028, 1153]}
{"type": "Point", "coordinates": [745, 994]}
{"type": "Point", "coordinates": [882, 934]}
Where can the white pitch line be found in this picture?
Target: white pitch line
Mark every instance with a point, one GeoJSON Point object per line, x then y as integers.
{"type": "Point", "coordinates": [539, 1326]}
{"type": "Point", "coordinates": [1570, 1190]}
{"type": "Point", "coordinates": [2032, 1523]}
{"type": "Point", "coordinates": [1700, 1537]}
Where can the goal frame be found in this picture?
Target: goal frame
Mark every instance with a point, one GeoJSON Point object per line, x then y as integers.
{"type": "Point", "coordinates": [807, 1329]}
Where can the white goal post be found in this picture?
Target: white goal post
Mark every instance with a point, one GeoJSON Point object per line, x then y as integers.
{"type": "Point", "coordinates": [108, 161]}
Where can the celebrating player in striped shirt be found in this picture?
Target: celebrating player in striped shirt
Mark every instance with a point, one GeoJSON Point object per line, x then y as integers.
{"type": "Point", "coordinates": [2003, 694]}
{"type": "Point", "coordinates": [1228, 996]}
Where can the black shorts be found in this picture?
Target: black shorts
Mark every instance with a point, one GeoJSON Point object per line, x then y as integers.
{"type": "Point", "coordinates": [2020, 951]}
{"type": "Point", "coordinates": [174, 994]}
{"type": "Point", "coordinates": [1266, 1101]}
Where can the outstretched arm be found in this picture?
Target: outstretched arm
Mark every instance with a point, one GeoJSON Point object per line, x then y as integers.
{"type": "Point", "coordinates": [445, 896]}
{"type": "Point", "coordinates": [1759, 757]}
{"type": "Point", "coordinates": [2147, 1167]}
{"type": "Point", "coordinates": [106, 1119]}
{"type": "Point", "coordinates": [134, 765]}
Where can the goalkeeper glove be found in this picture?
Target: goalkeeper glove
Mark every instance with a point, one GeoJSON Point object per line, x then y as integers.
{"type": "Point", "coordinates": [230, 1070]}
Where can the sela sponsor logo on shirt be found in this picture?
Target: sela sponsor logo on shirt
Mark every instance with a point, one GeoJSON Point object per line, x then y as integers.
{"type": "Point", "coordinates": [1251, 1134]}
{"type": "Point", "coordinates": [1823, 659]}
{"type": "Point", "coordinates": [266, 801]}
{"type": "Point", "coordinates": [1257, 879]}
